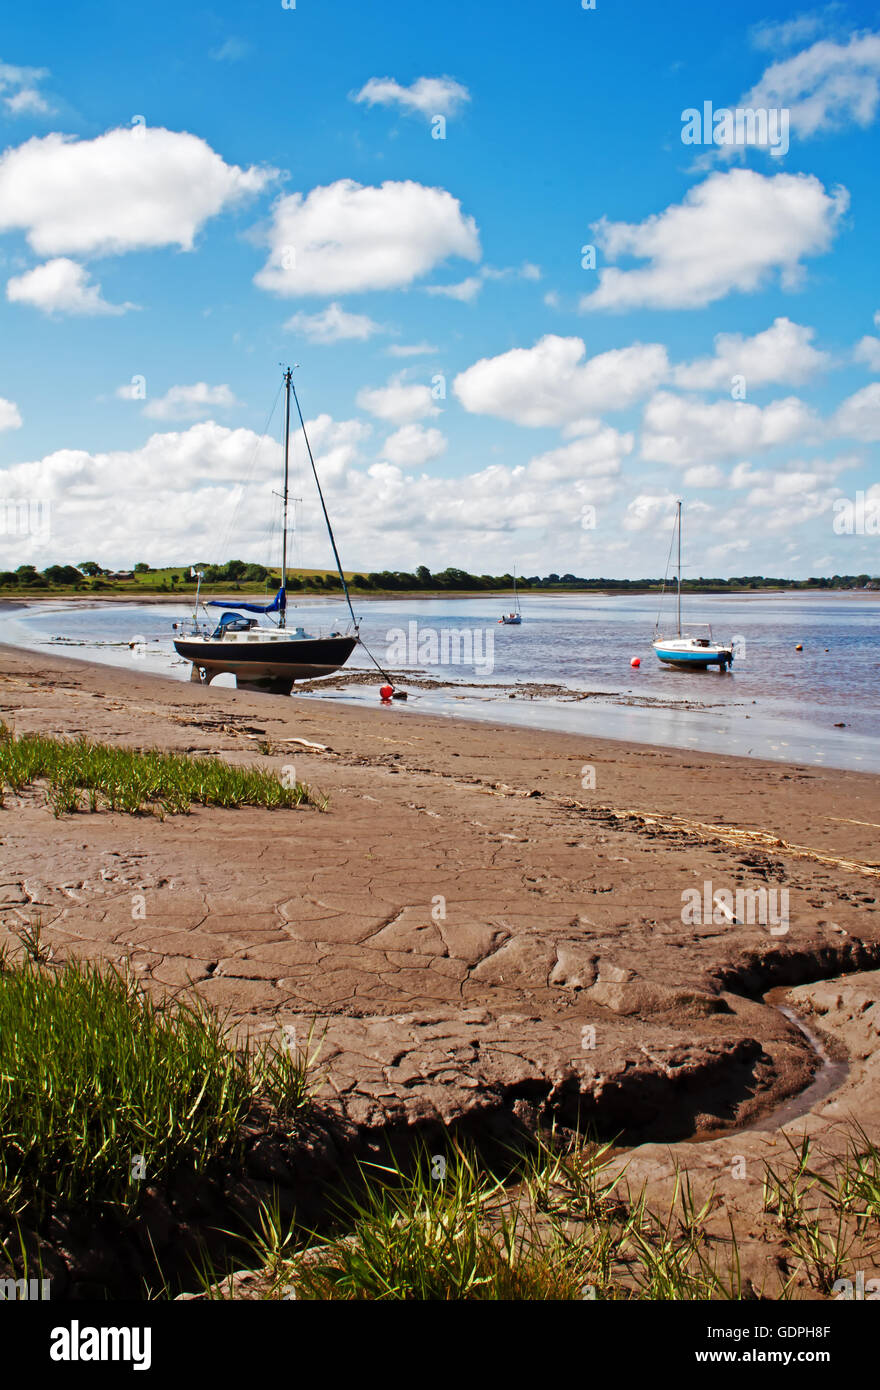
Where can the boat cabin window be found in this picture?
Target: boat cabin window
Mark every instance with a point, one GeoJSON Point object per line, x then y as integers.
{"type": "Point", "coordinates": [233, 624]}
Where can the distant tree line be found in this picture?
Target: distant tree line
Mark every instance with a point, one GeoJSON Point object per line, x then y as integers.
{"type": "Point", "coordinates": [90, 575]}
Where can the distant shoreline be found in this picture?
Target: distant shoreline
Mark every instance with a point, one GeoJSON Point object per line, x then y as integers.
{"type": "Point", "coordinates": [143, 599]}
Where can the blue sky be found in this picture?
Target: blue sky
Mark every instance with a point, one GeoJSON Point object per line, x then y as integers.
{"type": "Point", "coordinates": [247, 184]}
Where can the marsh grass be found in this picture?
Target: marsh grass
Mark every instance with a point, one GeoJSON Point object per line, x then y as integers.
{"type": "Point", "coordinates": [94, 1073]}
{"type": "Point", "coordinates": [561, 1224]}
{"type": "Point", "coordinates": [86, 776]}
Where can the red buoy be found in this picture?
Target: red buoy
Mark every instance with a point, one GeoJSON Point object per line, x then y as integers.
{"type": "Point", "coordinates": [386, 691]}
{"type": "Point", "coordinates": [636, 661]}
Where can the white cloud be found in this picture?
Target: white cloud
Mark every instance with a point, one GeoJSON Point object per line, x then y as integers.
{"type": "Point", "coordinates": [734, 231]}
{"type": "Point", "coordinates": [679, 431]}
{"type": "Point", "coordinates": [704, 475]}
{"type": "Point", "coordinates": [859, 415]}
{"type": "Point", "coordinates": [826, 87]}
{"type": "Point", "coordinates": [398, 401]}
{"type": "Point", "coordinates": [190, 402]}
{"type": "Point", "coordinates": [647, 511]}
{"type": "Point", "coordinates": [867, 350]}
{"type": "Point", "coordinates": [19, 90]}
{"type": "Point", "coordinates": [783, 352]}
{"type": "Point", "coordinates": [592, 456]}
{"type": "Point", "coordinates": [549, 384]}
{"type": "Point", "coordinates": [412, 349]}
{"type": "Point", "coordinates": [10, 415]}
{"type": "Point", "coordinates": [413, 445]}
{"type": "Point", "coordinates": [61, 286]}
{"type": "Point", "coordinates": [123, 191]}
{"type": "Point", "coordinates": [183, 485]}
{"type": "Point", "coordinates": [465, 290]}
{"type": "Point", "coordinates": [346, 237]}
{"type": "Point", "coordinates": [429, 96]}
{"type": "Point", "coordinates": [788, 32]}
{"type": "Point", "coordinates": [332, 325]}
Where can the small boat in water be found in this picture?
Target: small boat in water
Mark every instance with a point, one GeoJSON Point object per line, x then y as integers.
{"type": "Point", "coordinates": [700, 652]}
{"type": "Point", "coordinates": [269, 657]}
{"type": "Point", "coordinates": [515, 618]}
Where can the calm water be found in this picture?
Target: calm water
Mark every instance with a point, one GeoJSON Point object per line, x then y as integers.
{"type": "Point", "coordinates": [777, 702]}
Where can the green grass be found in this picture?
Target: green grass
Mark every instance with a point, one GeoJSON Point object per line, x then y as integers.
{"type": "Point", "coordinates": [94, 1073]}
{"type": "Point", "coordinates": [564, 1225]}
{"type": "Point", "coordinates": [82, 775]}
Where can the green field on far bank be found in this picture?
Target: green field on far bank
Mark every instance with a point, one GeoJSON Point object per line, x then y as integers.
{"type": "Point", "coordinates": [238, 576]}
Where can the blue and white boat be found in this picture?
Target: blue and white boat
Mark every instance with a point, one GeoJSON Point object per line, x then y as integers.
{"type": "Point", "coordinates": [680, 650]}
{"type": "Point", "coordinates": [515, 618]}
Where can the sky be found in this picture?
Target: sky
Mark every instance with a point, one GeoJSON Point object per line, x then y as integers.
{"type": "Point", "coordinates": [536, 282]}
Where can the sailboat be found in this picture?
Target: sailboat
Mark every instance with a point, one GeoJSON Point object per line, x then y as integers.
{"type": "Point", "coordinates": [269, 656]}
{"type": "Point", "coordinates": [515, 618]}
{"type": "Point", "coordinates": [699, 652]}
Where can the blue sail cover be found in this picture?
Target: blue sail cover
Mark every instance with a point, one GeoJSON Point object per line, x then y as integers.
{"type": "Point", "coordinates": [278, 604]}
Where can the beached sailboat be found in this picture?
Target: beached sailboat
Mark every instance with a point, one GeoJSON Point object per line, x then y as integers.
{"type": "Point", "coordinates": [515, 618]}
{"type": "Point", "coordinates": [269, 656]}
{"type": "Point", "coordinates": [679, 650]}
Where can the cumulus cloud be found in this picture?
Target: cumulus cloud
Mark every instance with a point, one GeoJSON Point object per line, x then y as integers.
{"type": "Point", "coordinates": [123, 191]}
{"type": "Point", "coordinates": [595, 455]}
{"type": "Point", "coordinates": [679, 431]}
{"type": "Point", "coordinates": [551, 384]}
{"type": "Point", "coordinates": [61, 286]}
{"type": "Point", "coordinates": [783, 352]}
{"type": "Point", "coordinates": [826, 87]}
{"type": "Point", "coordinates": [428, 96]}
{"type": "Point", "coordinates": [183, 487]}
{"type": "Point", "coordinates": [332, 325]}
{"type": "Point", "coordinates": [859, 415]}
{"type": "Point", "coordinates": [413, 445]}
{"type": "Point", "coordinates": [648, 510]}
{"type": "Point", "coordinates": [399, 401]}
{"type": "Point", "coordinates": [190, 402]}
{"type": "Point", "coordinates": [734, 231]}
{"type": "Point", "coordinates": [10, 415]}
{"type": "Point", "coordinates": [867, 350]}
{"type": "Point", "coordinates": [345, 237]}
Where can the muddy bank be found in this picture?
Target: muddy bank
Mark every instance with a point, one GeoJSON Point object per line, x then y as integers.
{"type": "Point", "coordinates": [487, 921]}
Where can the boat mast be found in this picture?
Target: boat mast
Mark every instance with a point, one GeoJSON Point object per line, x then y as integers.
{"type": "Point", "coordinates": [291, 387]}
{"type": "Point", "coordinates": [287, 380]}
{"type": "Point", "coordinates": [679, 567]}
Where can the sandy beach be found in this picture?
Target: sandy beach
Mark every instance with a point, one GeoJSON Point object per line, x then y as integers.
{"type": "Point", "coordinates": [498, 928]}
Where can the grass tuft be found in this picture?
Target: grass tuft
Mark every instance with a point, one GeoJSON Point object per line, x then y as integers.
{"type": "Point", "coordinates": [95, 1075]}
{"type": "Point", "coordinates": [125, 779]}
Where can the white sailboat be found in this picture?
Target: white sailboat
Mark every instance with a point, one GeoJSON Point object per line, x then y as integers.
{"type": "Point", "coordinates": [699, 652]}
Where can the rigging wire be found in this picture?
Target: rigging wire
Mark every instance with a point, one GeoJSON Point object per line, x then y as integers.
{"type": "Point", "coordinates": [665, 573]}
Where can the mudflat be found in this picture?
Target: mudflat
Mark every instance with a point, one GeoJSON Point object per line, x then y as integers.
{"type": "Point", "coordinates": [493, 925]}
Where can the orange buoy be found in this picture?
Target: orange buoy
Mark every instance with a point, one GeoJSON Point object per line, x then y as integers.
{"type": "Point", "coordinates": [799, 647]}
{"type": "Point", "coordinates": [636, 661]}
{"type": "Point", "coordinates": [386, 691]}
